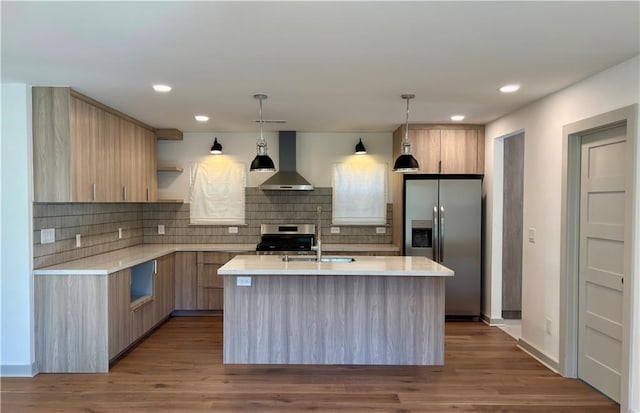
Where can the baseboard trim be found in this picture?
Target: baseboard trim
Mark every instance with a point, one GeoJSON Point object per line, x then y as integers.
{"type": "Point", "coordinates": [547, 361]}
{"type": "Point", "coordinates": [493, 322]}
{"type": "Point", "coordinates": [18, 370]}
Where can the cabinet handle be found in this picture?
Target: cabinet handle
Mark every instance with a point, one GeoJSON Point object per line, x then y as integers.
{"type": "Point", "coordinates": [124, 193]}
{"type": "Point", "coordinates": [155, 266]}
{"type": "Point", "coordinates": [147, 194]}
{"type": "Point", "coordinates": [93, 190]}
{"type": "Point", "coordinates": [439, 166]}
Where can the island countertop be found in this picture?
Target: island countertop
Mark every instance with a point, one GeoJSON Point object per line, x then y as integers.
{"type": "Point", "coordinates": [382, 266]}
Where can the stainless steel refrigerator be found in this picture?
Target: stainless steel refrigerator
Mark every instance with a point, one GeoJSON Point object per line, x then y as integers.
{"type": "Point", "coordinates": [443, 221]}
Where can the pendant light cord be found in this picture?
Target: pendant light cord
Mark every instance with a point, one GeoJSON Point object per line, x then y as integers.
{"type": "Point", "coordinates": [406, 125]}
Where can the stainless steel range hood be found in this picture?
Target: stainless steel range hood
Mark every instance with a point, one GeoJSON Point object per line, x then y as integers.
{"type": "Point", "coordinates": [287, 179]}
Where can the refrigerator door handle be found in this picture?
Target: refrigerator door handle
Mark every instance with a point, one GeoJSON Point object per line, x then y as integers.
{"type": "Point", "coordinates": [435, 235]}
{"type": "Point", "coordinates": [441, 249]}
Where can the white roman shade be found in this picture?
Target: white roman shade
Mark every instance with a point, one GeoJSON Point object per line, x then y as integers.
{"type": "Point", "coordinates": [217, 192]}
{"type": "Point", "coordinates": [359, 192]}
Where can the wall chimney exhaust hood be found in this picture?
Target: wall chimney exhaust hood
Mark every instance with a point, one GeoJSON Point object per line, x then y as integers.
{"type": "Point", "coordinates": [287, 179]}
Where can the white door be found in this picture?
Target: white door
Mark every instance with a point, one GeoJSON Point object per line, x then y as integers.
{"type": "Point", "coordinates": [602, 215]}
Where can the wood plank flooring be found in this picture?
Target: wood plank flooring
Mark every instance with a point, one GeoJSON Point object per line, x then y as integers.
{"type": "Point", "coordinates": [179, 369]}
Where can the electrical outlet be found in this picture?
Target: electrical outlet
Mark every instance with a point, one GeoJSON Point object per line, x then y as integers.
{"type": "Point", "coordinates": [234, 230]}
{"type": "Point", "coordinates": [119, 233]}
{"type": "Point", "coordinates": [532, 235]}
{"type": "Point", "coordinates": [161, 229]}
{"type": "Point", "coordinates": [243, 281]}
{"type": "Point", "coordinates": [547, 326]}
{"type": "Point", "coordinates": [335, 230]}
{"type": "Point", "coordinates": [78, 241]}
{"type": "Point", "coordinates": [47, 236]}
{"type": "Point", "coordinates": [381, 230]}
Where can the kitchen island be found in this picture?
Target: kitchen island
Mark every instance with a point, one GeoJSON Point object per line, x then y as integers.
{"type": "Point", "coordinates": [374, 310]}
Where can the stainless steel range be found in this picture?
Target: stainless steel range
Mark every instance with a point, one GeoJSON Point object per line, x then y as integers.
{"type": "Point", "coordinates": [286, 238]}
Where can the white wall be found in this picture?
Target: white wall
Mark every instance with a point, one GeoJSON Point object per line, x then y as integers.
{"type": "Point", "coordinates": [17, 345]}
{"type": "Point", "coordinates": [316, 153]}
{"type": "Point", "coordinates": [542, 123]}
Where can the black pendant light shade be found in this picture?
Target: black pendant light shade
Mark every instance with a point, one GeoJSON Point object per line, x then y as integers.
{"type": "Point", "coordinates": [406, 162]}
{"type": "Point", "coordinates": [262, 162]}
{"type": "Point", "coordinates": [216, 149]}
{"type": "Point", "coordinates": [360, 149]}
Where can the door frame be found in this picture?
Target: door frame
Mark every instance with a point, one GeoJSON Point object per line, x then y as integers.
{"type": "Point", "coordinates": [570, 242]}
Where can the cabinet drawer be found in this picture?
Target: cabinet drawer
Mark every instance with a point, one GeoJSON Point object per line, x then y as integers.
{"type": "Point", "coordinates": [219, 258]}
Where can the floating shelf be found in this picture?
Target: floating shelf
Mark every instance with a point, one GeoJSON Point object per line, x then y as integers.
{"type": "Point", "coordinates": [170, 169]}
{"type": "Point", "coordinates": [168, 134]}
{"type": "Point", "coordinates": [171, 201]}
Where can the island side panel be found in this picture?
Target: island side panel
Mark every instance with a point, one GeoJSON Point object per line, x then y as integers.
{"type": "Point", "coordinates": [334, 320]}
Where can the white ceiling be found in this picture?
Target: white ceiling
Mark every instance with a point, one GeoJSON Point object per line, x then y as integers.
{"type": "Point", "coordinates": [326, 66]}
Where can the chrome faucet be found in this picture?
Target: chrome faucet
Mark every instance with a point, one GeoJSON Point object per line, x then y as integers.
{"type": "Point", "coordinates": [318, 247]}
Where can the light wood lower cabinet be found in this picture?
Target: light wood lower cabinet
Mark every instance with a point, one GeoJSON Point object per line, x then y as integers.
{"type": "Point", "coordinates": [119, 312]}
{"type": "Point", "coordinates": [210, 285]}
{"type": "Point", "coordinates": [163, 296]}
{"type": "Point", "coordinates": [186, 279]}
{"type": "Point", "coordinates": [82, 322]}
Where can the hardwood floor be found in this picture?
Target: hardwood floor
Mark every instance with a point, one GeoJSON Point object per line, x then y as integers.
{"type": "Point", "coordinates": [179, 369]}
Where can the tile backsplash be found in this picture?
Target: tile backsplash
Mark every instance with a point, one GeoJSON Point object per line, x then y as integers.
{"type": "Point", "coordinates": [98, 224]}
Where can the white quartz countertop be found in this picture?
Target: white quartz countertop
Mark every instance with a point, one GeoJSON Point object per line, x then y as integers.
{"type": "Point", "coordinates": [114, 261]}
{"type": "Point", "coordinates": [363, 265]}
{"type": "Point", "coordinates": [110, 262]}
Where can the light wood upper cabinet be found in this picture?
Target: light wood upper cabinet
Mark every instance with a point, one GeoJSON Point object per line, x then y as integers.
{"type": "Point", "coordinates": [459, 151]}
{"type": "Point", "coordinates": [87, 152]}
{"type": "Point", "coordinates": [445, 149]}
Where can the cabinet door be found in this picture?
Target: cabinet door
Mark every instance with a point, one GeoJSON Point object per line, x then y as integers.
{"type": "Point", "coordinates": [186, 281]}
{"type": "Point", "coordinates": [142, 320]}
{"type": "Point", "coordinates": [84, 132]}
{"type": "Point", "coordinates": [163, 287]}
{"type": "Point", "coordinates": [459, 149]}
{"type": "Point", "coordinates": [425, 147]}
{"type": "Point", "coordinates": [119, 312]}
{"type": "Point", "coordinates": [131, 155]}
{"type": "Point", "coordinates": [150, 167]}
{"type": "Point", "coordinates": [210, 291]}
{"type": "Point", "coordinates": [108, 159]}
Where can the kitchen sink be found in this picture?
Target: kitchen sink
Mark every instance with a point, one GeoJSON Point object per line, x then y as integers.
{"type": "Point", "coordinates": [313, 258]}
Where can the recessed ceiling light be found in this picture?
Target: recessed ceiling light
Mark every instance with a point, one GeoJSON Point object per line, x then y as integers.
{"type": "Point", "coordinates": [509, 88]}
{"type": "Point", "coordinates": [201, 118]}
{"type": "Point", "coordinates": [457, 117]}
{"type": "Point", "coordinates": [161, 88]}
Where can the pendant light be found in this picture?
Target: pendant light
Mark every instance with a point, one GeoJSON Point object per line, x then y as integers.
{"type": "Point", "coordinates": [262, 162]}
{"type": "Point", "coordinates": [406, 162]}
{"type": "Point", "coordinates": [216, 149]}
{"type": "Point", "coordinates": [360, 149]}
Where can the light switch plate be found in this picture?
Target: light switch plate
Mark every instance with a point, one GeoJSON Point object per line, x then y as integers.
{"type": "Point", "coordinates": [381, 230]}
{"type": "Point", "coordinates": [47, 236]}
{"type": "Point", "coordinates": [335, 230]}
{"type": "Point", "coordinates": [532, 235]}
{"type": "Point", "coordinates": [233, 230]}
{"type": "Point", "coordinates": [78, 241]}
{"type": "Point", "coordinates": [119, 233]}
{"type": "Point", "coordinates": [243, 281]}
{"type": "Point", "coordinates": [161, 229]}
